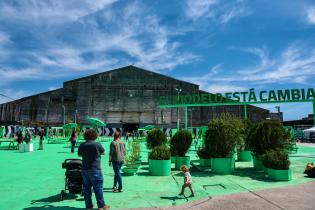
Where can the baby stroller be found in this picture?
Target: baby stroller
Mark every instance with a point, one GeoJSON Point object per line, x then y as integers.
{"type": "Point", "coordinates": [73, 180]}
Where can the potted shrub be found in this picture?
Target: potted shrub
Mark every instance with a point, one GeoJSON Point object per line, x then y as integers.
{"type": "Point", "coordinates": [264, 136]}
{"type": "Point", "coordinates": [277, 164]}
{"type": "Point", "coordinates": [204, 157]}
{"type": "Point", "coordinates": [180, 144]}
{"type": "Point", "coordinates": [221, 138]}
{"type": "Point", "coordinates": [244, 152]}
{"type": "Point", "coordinates": [136, 152]}
{"type": "Point", "coordinates": [160, 161]}
{"type": "Point", "coordinates": [155, 138]}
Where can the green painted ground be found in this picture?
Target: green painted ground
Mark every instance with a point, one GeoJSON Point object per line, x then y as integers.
{"type": "Point", "coordinates": [34, 180]}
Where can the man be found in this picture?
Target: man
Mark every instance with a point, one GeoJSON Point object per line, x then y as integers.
{"type": "Point", "coordinates": [91, 152]}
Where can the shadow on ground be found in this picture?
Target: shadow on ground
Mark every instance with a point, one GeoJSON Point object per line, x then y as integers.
{"type": "Point", "coordinates": [52, 207]}
{"type": "Point", "coordinates": [54, 199]}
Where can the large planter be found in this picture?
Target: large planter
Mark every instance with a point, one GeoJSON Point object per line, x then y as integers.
{"type": "Point", "coordinates": [257, 163]}
{"type": "Point", "coordinates": [21, 148]}
{"type": "Point", "coordinates": [205, 162]}
{"type": "Point", "coordinates": [173, 159]}
{"type": "Point", "coordinates": [160, 167]}
{"type": "Point", "coordinates": [182, 161]}
{"type": "Point", "coordinates": [245, 156]}
{"type": "Point", "coordinates": [222, 165]}
{"type": "Point", "coordinates": [129, 171]}
{"type": "Point", "coordinates": [280, 175]}
{"type": "Point", "coordinates": [29, 147]}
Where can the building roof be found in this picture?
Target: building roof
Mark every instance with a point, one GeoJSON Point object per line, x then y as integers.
{"type": "Point", "coordinates": [129, 67]}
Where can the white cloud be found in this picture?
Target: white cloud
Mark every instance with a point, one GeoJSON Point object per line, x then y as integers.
{"type": "Point", "coordinates": [310, 15]}
{"type": "Point", "coordinates": [216, 10]}
{"type": "Point", "coordinates": [50, 11]}
{"type": "Point", "coordinates": [219, 88]}
{"type": "Point", "coordinates": [53, 88]}
{"type": "Point", "coordinates": [201, 8]}
{"type": "Point", "coordinates": [138, 37]}
{"type": "Point", "coordinates": [294, 65]}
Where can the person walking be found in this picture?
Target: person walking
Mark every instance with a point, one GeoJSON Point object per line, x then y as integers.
{"type": "Point", "coordinates": [41, 140]}
{"type": "Point", "coordinates": [91, 152]}
{"type": "Point", "coordinates": [73, 140]}
{"type": "Point", "coordinates": [117, 155]}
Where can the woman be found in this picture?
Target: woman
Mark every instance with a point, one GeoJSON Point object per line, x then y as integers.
{"type": "Point", "coordinates": [41, 140]}
{"type": "Point", "coordinates": [73, 140]}
{"type": "Point", "coordinates": [91, 152]}
{"type": "Point", "coordinates": [117, 155]}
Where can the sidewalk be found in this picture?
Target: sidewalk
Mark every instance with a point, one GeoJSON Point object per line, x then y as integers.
{"type": "Point", "coordinates": [299, 197]}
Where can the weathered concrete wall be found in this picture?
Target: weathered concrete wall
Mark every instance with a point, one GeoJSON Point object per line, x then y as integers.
{"type": "Point", "coordinates": [126, 95]}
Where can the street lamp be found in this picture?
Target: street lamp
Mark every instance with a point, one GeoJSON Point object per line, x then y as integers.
{"type": "Point", "coordinates": [191, 113]}
{"type": "Point", "coordinates": [75, 116]}
{"type": "Point", "coordinates": [64, 114]}
{"type": "Point", "coordinates": [178, 91]}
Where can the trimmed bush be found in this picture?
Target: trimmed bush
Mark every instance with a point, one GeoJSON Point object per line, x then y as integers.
{"type": "Point", "coordinates": [267, 135]}
{"type": "Point", "coordinates": [181, 142]}
{"type": "Point", "coordinates": [160, 153]}
{"type": "Point", "coordinates": [223, 135]}
{"type": "Point", "coordinates": [203, 154]}
{"type": "Point", "coordinates": [244, 146]}
{"type": "Point", "coordinates": [276, 159]}
{"type": "Point", "coordinates": [155, 138]}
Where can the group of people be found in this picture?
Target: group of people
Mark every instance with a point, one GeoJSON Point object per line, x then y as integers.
{"type": "Point", "coordinates": [27, 138]}
{"type": "Point", "coordinates": [91, 152]}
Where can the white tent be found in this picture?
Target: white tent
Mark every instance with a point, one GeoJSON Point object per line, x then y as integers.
{"type": "Point", "coordinates": [309, 134]}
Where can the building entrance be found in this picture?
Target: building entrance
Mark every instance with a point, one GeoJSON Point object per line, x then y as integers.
{"type": "Point", "coordinates": [130, 127]}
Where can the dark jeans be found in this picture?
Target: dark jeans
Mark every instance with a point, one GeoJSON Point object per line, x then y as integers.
{"type": "Point", "coordinates": [93, 178]}
{"type": "Point", "coordinates": [72, 146]}
{"type": "Point", "coordinates": [117, 178]}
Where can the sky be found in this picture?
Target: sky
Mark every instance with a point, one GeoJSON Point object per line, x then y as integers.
{"type": "Point", "coordinates": [221, 45]}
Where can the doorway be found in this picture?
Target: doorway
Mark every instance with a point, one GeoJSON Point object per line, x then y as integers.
{"type": "Point", "coordinates": [130, 127]}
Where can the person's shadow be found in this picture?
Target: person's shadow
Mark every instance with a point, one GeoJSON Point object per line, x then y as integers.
{"type": "Point", "coordinates": [53, 207]}
{"type": "Point", "coordinates": [54, 198]}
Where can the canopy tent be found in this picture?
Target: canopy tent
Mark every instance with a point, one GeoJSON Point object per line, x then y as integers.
{"type": "Point", "coordinates": [146, 128]}
{"type": "Point", "coordinates": [96, 122]}
{"type": "Point", "coordinates": [309, 134]}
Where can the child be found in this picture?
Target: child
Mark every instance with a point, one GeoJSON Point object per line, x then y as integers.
{"type": "Point", "coordinates": [310, 170]}
{"type": "Point", "coordinates": [187, 181]}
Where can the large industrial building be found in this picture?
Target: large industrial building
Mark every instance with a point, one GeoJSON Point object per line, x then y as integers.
{"type": "Point", "coordinates": [127, 98]}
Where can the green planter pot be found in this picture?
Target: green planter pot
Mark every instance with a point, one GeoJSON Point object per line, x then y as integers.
{"type": "Point", "coordinates": [257, 163]}
{"type": "Point", "coordinates": [182, 161]}
{"type": "Point", "coordinates": [205, 162]}
{"type": "Point", "coordinates": [173, 159]}
{"type": "Point", "coordinates": [222, 165]}
{"type": "Point", "coordinates": [149, 156]}
{"type": "Point", "coordinates": [280, 175]}
{"type": "Point", "coordinates": [160, 167]}
{"type": "Point", "coordinates": [129, 171]}
{"type": "Point", "coordinates": [245, 156]}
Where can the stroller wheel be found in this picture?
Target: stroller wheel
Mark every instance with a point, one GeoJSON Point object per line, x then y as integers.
{"type": "Point", "coordinates": [62, 195]}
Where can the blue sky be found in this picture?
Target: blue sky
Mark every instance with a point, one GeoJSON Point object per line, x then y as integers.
{"type": "Point", "coordinates": [222, 45]}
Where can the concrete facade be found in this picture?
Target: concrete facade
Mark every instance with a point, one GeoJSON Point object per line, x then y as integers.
{"type": "Point", "coordinates": [127, 95]}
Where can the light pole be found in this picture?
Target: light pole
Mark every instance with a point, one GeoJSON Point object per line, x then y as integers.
{"type": "Point", "coordinates": [191, 112]}
{"type": "Point", "coordinates": [178, 91]}
{"type": "Point", "coordinates": [64, 114]}
{"type": "Point", "coordinates": [75, 116]}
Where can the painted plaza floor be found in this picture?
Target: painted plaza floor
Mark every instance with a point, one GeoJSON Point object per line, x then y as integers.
{"type": "Point", "coordinates": [34, 180]}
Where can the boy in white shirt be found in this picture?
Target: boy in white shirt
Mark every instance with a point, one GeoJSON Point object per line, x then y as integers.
{"type": "Point", "coordinates": [187, 181]}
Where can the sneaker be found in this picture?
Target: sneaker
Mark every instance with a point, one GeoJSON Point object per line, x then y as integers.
{"type": "Point", "coordinates": [192, 195]}
{"type": "Point", "coordinates": [120, 190]}
{"type": "Point", "coordinates": [105, 208]}
{"type": "Point", "coordinates": [181, 194]}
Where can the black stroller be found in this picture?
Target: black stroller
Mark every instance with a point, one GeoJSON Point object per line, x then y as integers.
{"type": "Point", "coordinates": [73, 180]}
